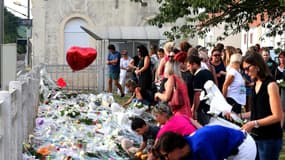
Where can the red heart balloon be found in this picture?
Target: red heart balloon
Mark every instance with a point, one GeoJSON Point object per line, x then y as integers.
{"type": "Point", "coordinates": [79, 58]}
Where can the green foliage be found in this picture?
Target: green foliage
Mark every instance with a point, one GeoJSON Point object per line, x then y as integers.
{"type": "Point", "coordinates": [22, 31]}
{"type": "Point", "coordinates": [10, 27]}
{"type": "Point", "coordinates": [70, 111]}
{"type": "Point", "coordinates": [12, 30]}
{"type": "Point", "coordinates": [278, 50]}
{"type": "Point", "coordinates": [29, 148]}
{"type": "Point", "coordinates": [86, 120]}
{"type": "Point", "coordinates": [21, 49]}
{"type": "Point", "coordinates": [200, 15]}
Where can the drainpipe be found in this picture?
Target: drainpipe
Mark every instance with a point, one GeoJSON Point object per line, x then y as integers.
{"type": "Point", "coordinates": [28, 38]}
{"type": "Point", "coordinates": [1, 37]}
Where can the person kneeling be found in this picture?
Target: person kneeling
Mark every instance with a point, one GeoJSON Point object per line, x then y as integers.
{"type": "Point", "coordinates": [138, 95]}
{"type": "Point", "coordinates": [209, 142]}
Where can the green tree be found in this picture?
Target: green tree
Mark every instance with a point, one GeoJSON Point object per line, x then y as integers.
{"type": "Point", "coordinates": [10, 27]}
{"type": "Point", "coordinates": [200, 15]}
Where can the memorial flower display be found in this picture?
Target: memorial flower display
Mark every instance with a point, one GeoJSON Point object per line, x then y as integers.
{"type": "Point", "coordinates": [71, 125]}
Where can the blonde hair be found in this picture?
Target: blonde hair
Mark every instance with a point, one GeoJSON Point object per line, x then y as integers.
{"type": "Point", "coordinates": [235, 58]}
{"type": "Point", "coordinates": [230, 50]}
{"type": "Point", "coordinates": [172, 68]}
{"type": "Point", "coordinates": [203, 55]}
{"type": "Point", "coordinates": [168, 47]}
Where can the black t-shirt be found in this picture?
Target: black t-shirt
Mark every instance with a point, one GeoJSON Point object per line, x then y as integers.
{"type": "Point", "coordinates": [221, 79]}
{"type": "Point", "coordinates": [188, 78]}
{"type": "Point", "coordinates": [279, 75]}
{"type": "Point", "coordinates": [151, 134]}
{"type": "Point", "coordinates": [136, 60]}
{"type": "Point", "coordinates": [272, 65]}
{"type": "Point", "coordinates": [198, 85]}
{"type": "Point", "coordinates": [201, 78]}
{"type": "Point", "coordinates": [136, 63]}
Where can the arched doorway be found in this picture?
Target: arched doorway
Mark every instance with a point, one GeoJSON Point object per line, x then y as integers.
{"type": "Point", "coordinates": [74, 35]}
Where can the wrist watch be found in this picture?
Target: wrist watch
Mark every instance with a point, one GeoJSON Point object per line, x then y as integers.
{"type": "Point", "coordinates": [256, 125]}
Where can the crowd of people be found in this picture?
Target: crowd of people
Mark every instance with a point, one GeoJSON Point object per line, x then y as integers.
{"type": "Point", "coordinates": [247, 81]}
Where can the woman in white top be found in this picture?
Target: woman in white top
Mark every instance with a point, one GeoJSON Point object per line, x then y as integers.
{"type": "Point", "coordinates": [124, 69]}
{"type": "Point", "coordinates": [234, 85]}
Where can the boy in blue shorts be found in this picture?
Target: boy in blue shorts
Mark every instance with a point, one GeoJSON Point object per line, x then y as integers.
{"type": "Point", "coordinates": [113, 63]}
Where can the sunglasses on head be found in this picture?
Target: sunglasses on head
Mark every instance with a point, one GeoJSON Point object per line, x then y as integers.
{"type": "Point", "coordinates": [160, 109]}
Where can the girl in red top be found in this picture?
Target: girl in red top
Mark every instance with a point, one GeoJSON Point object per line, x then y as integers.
{"type": "Point", "coordinates": [173, 74]}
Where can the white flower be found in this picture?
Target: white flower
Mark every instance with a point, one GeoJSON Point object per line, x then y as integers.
{"type": "Point", "coordinates": [279, 81]}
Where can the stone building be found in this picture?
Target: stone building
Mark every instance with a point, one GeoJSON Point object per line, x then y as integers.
{"type": "Point", "coordinates": [56, 27]}
{"type": "Point", "coordinates": [56, 23]}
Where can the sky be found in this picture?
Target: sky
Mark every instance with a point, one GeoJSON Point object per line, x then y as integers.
{"type": "Point", "coordinates": [22, 9]}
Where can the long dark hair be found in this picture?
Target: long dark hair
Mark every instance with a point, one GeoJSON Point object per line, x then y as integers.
{"type": "Point", "coordinates": [257, 60]}
{"type": "Point", "coordinates": [142, 50]}
{"type": "Point", "coordinates": [282, 53]}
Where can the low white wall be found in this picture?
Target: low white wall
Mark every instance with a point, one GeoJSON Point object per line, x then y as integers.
{"type": "Point", "coordinates": [9, 64]}
{"type": "Point", "coordinates": [17, 113]}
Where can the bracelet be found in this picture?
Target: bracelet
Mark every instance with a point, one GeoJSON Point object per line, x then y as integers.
{"type": "Point", "coordinates": [256, 125]}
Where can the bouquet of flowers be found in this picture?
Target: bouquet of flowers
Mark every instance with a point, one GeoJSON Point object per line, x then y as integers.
{"type": "Point", "coordinates": [136, 104]}
{"type": "Point", "coordinates": [281, 83]}
{"type": "Point", "coordinates": [70, 111]}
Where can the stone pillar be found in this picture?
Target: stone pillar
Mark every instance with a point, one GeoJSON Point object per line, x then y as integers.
{"type": "Point", "coordinates": [15, 88]}
{"type": "Point", "coordinates": [5, 126]}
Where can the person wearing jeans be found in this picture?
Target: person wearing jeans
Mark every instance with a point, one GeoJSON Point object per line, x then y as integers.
{"type": "Point", "coordinates": [266, 110]}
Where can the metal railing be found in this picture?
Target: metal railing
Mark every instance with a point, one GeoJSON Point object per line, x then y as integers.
{"type": "Point", "coordinates": [89, 79]}
{"type": "Point", "coordinates": [18, 105]}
